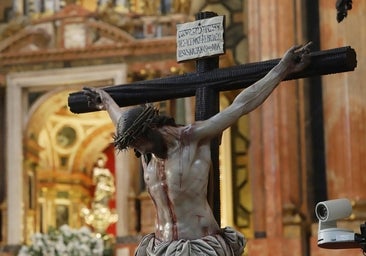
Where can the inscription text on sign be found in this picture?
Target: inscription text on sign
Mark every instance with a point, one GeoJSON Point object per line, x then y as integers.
{"type": "Point", "coordinates": [201, 38]}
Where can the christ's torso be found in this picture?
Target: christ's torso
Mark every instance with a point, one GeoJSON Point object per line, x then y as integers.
{"type": "Point", "coordinates": [178, 188]}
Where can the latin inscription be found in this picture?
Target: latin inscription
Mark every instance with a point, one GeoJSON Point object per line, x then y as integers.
{"type": "Point", "coordinates": [201, 38]}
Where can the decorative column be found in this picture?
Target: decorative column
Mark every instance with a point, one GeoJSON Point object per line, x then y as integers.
{"type": "Point", "coordinates": [18, 7]}
{"type": "Point", "coordinates": [344, 111]}
{"type": "Point", "coordinates": [344, 117]}
{"type": "Point", "coordinates": [14, 162]}
{"type": "Point", "coordinates": [123, 169]}
{"type": "Point", "coordinates": [275, 133]}
{"type": "Point", "coordinates": [2, 162]}
{"type": "Point", "coordinates": [344, 104]}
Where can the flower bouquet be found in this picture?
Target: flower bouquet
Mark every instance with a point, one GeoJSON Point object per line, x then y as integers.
{"type": "Point", "coordinates": [64, 242]}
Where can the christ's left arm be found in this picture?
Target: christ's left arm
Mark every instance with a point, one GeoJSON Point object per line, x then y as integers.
{"type": "Point", "coordinates": [294, 60]}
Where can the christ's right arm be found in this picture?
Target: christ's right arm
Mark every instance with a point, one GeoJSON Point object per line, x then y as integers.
{"type": "Point", "coordinates": [103, 101]}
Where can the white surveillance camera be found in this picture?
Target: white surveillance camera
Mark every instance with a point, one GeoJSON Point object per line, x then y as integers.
{"type": "Point", "coordinates": [332, 210]}
{"type": "Point", "coordinates": [329, 236]}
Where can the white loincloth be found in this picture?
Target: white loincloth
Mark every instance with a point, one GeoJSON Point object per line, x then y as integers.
{"type": "Point", "coordinates": [228, 243]}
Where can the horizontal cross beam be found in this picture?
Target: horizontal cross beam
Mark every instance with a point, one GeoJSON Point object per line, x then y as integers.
{"type": "Point", "coordinates": [324, 62]}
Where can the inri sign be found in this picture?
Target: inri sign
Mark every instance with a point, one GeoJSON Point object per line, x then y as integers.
{"type": "Point", "coordinates": [201, 38]}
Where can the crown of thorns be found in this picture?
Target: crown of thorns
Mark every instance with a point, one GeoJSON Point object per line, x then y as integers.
{"type": "Point", "coordinates": [126, 136]}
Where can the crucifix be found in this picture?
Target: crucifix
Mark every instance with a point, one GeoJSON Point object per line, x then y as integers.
{"type": "Point", "coordinates": [208, 80]}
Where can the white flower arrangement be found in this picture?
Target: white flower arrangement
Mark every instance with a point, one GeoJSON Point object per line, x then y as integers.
{"type": "Point", "coordinates": [64, 242]}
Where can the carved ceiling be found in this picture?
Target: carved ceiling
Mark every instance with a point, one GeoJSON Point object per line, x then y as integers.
{"type": "Point", "coordinates": [75, 33]}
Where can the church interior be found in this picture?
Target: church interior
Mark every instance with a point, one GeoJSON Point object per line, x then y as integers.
{"type": "Point", "coordinates": [304, 145]}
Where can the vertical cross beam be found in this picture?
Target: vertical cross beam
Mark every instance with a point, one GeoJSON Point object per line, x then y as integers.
{"type": "Point", "coordinates": [207, 105]}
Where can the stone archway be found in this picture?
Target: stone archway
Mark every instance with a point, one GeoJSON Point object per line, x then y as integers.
{"type": "Point", "coordinates": [56, 84]}
{"type": "Point", "coordinates": [60, 149]}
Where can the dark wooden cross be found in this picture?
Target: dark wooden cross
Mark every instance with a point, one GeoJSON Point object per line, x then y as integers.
{"type": "Point", "coordinates": [206, 84]}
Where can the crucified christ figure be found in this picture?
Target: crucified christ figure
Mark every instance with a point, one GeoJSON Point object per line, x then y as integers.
{"type": "Point", "coordinates": [176, 162]}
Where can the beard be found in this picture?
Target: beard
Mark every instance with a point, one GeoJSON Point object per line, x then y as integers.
{"type": "Point", "coordinates": [160, 147]}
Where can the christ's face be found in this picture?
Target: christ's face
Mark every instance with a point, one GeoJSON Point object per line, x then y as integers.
{"type": "Point", "coordinates": [143, 145]}
{"type": "Point", "coordinates": [151, 142]}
